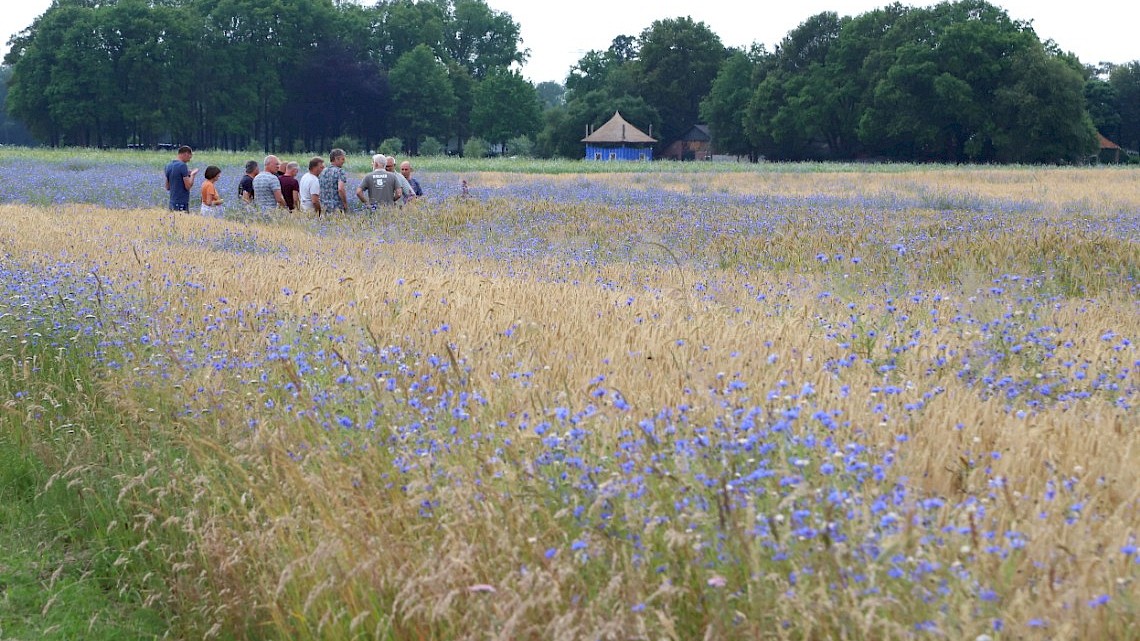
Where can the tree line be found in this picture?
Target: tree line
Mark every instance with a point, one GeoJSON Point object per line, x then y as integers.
{"type": "Point", "coordinates": [286, 74]}
{"type": "Point", "coordinates": [956, 82]}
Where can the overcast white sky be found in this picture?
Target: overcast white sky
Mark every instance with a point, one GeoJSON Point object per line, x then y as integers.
{"type": "Point", "coordinates": [558, 33]}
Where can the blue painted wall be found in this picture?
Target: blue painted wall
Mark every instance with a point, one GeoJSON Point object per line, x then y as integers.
{"type": "Point", "coordinates": [597, 152]}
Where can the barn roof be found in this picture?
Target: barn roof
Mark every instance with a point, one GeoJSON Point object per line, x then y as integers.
{"type": "Point", "coordinates": [697, 133]}
{"type": "Point", "coordinates": [618, 130]}
{"type": "Point", "coordinates": [1105, 143]}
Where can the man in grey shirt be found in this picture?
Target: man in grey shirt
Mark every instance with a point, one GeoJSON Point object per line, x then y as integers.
{"type": "Point", "coordinates": [381, 185]}
{"type": "Point", "coordinates": [267, 187]}
{"type": "Point", "coordinates": [405, 186]}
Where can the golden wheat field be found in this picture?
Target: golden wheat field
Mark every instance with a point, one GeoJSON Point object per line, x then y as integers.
{"type": "Point", "coordinates": [753, 405]}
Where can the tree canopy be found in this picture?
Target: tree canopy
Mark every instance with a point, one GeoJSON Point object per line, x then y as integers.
{"type": "Point", "coordinates": [954, 82]}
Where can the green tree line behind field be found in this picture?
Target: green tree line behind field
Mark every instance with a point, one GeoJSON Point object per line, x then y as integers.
{"type": "Point", "coordinates": [956, 82]}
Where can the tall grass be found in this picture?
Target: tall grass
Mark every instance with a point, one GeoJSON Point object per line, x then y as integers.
{"type": "Point", "coordinates": [797, 408]}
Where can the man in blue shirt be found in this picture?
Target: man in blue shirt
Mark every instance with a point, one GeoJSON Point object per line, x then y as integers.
{"type": "Point", "coordinates": [179, 179]}
{"type": "Point", "coordinates": [406, 172]}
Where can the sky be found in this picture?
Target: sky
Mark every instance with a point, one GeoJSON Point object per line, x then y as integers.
{"type": "Point", "coordinates": [559, 33]}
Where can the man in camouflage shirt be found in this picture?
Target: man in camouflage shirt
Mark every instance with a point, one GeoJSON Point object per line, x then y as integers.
{"type": "Point", "coordinates": [334, 181]}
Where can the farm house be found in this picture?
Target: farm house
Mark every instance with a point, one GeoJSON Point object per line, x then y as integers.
{"type": "Point", "coordinates": [1109, 151]}
{"type": "Point", "coordinates": [696, 144]}
{"type": "Point", "coordinates": [618, 140]}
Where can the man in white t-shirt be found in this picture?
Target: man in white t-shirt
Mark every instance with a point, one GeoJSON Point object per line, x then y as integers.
{"type": "Point", "coordinates": [310, 193]}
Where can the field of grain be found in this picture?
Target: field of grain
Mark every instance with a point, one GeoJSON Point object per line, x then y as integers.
{"type": "Point", "coordinates": [751, 403]}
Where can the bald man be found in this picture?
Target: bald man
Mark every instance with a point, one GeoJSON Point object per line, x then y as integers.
{"type": "Point", "coordinates": [405, 187]}
{"type": "Point", "coordinates": [267, 186]}
{"type": "Point", "coordinates": [406, 172]}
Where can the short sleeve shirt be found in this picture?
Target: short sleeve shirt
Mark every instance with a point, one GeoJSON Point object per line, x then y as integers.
{"type": "Point", "coordinates": [289, 186]}
{"type": "Point", "coordinates": [330, 194]}
{"type": "Point", "coordinates": [381, 187]}
{"type": "Point", "coordinates": [175, 171]}
{"type": "Point", "coordinates": [245, 185]}
{"type": "Point", "coordinates": [263, 187]}
{"type": "Point", "coordinates": [310, 185]}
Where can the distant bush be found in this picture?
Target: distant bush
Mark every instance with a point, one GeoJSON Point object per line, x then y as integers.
{"type": "Point", "coordinates": [391, 146]}
{"type": "Point", "coordinates": [431, 146]}
{"type": "Point", "coordinates": [476, 148]}
{"type": "Point", "coordinates": [520, 146]}
{"type": "Point", "coordinates": [350, 144]}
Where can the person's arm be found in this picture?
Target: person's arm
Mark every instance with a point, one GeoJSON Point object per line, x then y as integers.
{"type": "Point", "coordinates": [397, 193]}
{"type": "Point", "coordinates": [360, 195]}
{"type": "Point", "coordinates": [188, 179]}
{"type": "Point", "coordinates": [297, 198]}
{"type": "Point", "coordinates": [316, 198]}
{"type": "Point", "coordinates": [278, 197]}
{"type": "Point", "coordinates": [342, 193]}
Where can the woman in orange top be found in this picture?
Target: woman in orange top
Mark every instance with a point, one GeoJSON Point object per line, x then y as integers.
{"type": "Point", "coordinates": [211, 202]}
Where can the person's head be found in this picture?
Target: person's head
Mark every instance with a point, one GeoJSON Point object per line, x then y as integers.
{"type": "Point", "coordinates": [212, 172]}
{"type": "Point", "coordinates": [390, 163]}
{"type": "Point", "coordinates": [251, 167]}
{"type": "Point", "coordinates": [378, 161]}
{"type": "Point", "coordinates": [292, 168]}
{"type": "Point", "coordinates": [184, 153]}
{"type": "Point", "coordinates": [271, 163]}
{"type": "Point", "coordinates": [336, 157]}
{"type": "Point", "coordinates": [316, 165]}
{"type": "Point", "coordinates": [406, 169]}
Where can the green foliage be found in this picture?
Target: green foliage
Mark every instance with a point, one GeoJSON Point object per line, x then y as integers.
{"type": "Point", "coordinates": [897, 82]}
{"type": "Point", "coordinates": [424, 96]}
{"type": "Point", "coordinates": [505, 106]}
{"type": "Point", "coordinates": [431, 146]}
{"type": "Point", "coordinates": [403, 25]}
{"type": "Point", "coordinates": [224, 73]}
{"type": "Point", "coordinates": [476, 148]}
{"type": "Point", "coordinates": [520, 146]}
{"type": "Point", "coordinates": [678, 60]}
{"type": "Point", "coordinates": [1100, 99]}
{"type": "Point", "coordinates": [1042, 116]}
{"type": "Point", "coordinates": [350, 144]}
{"type": "Point", "coordinates": [12, 132]}
{"type": "Point", "coordinates": [480, 38]}
{"type": "Point", "coordinates": [1125, 80]}
{"type": "Point", "coordinates": [613, 71]}
{"type": "Point", "coordinates": [71, 564]}
{"type": "Point", "coordinates": [551, 94]}
{"type": "Point", "coordinates": [726, 106]}
{"type": "Point", "coordinates": [391, 146]}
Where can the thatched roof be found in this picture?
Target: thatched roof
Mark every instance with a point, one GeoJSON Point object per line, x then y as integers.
{"type": "Point", "coordinates": [618, 130]}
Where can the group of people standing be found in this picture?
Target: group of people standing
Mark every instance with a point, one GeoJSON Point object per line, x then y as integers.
{"type": "Point", "coordinates": [323, 189]}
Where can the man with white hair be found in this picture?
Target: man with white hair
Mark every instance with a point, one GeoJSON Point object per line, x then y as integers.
{"type": "Point", "coordinates": [405, 186]}
{"type": "Point", "coordinates": [267, 186]}
{"type": "Point", "coordinates": [381, 186]}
